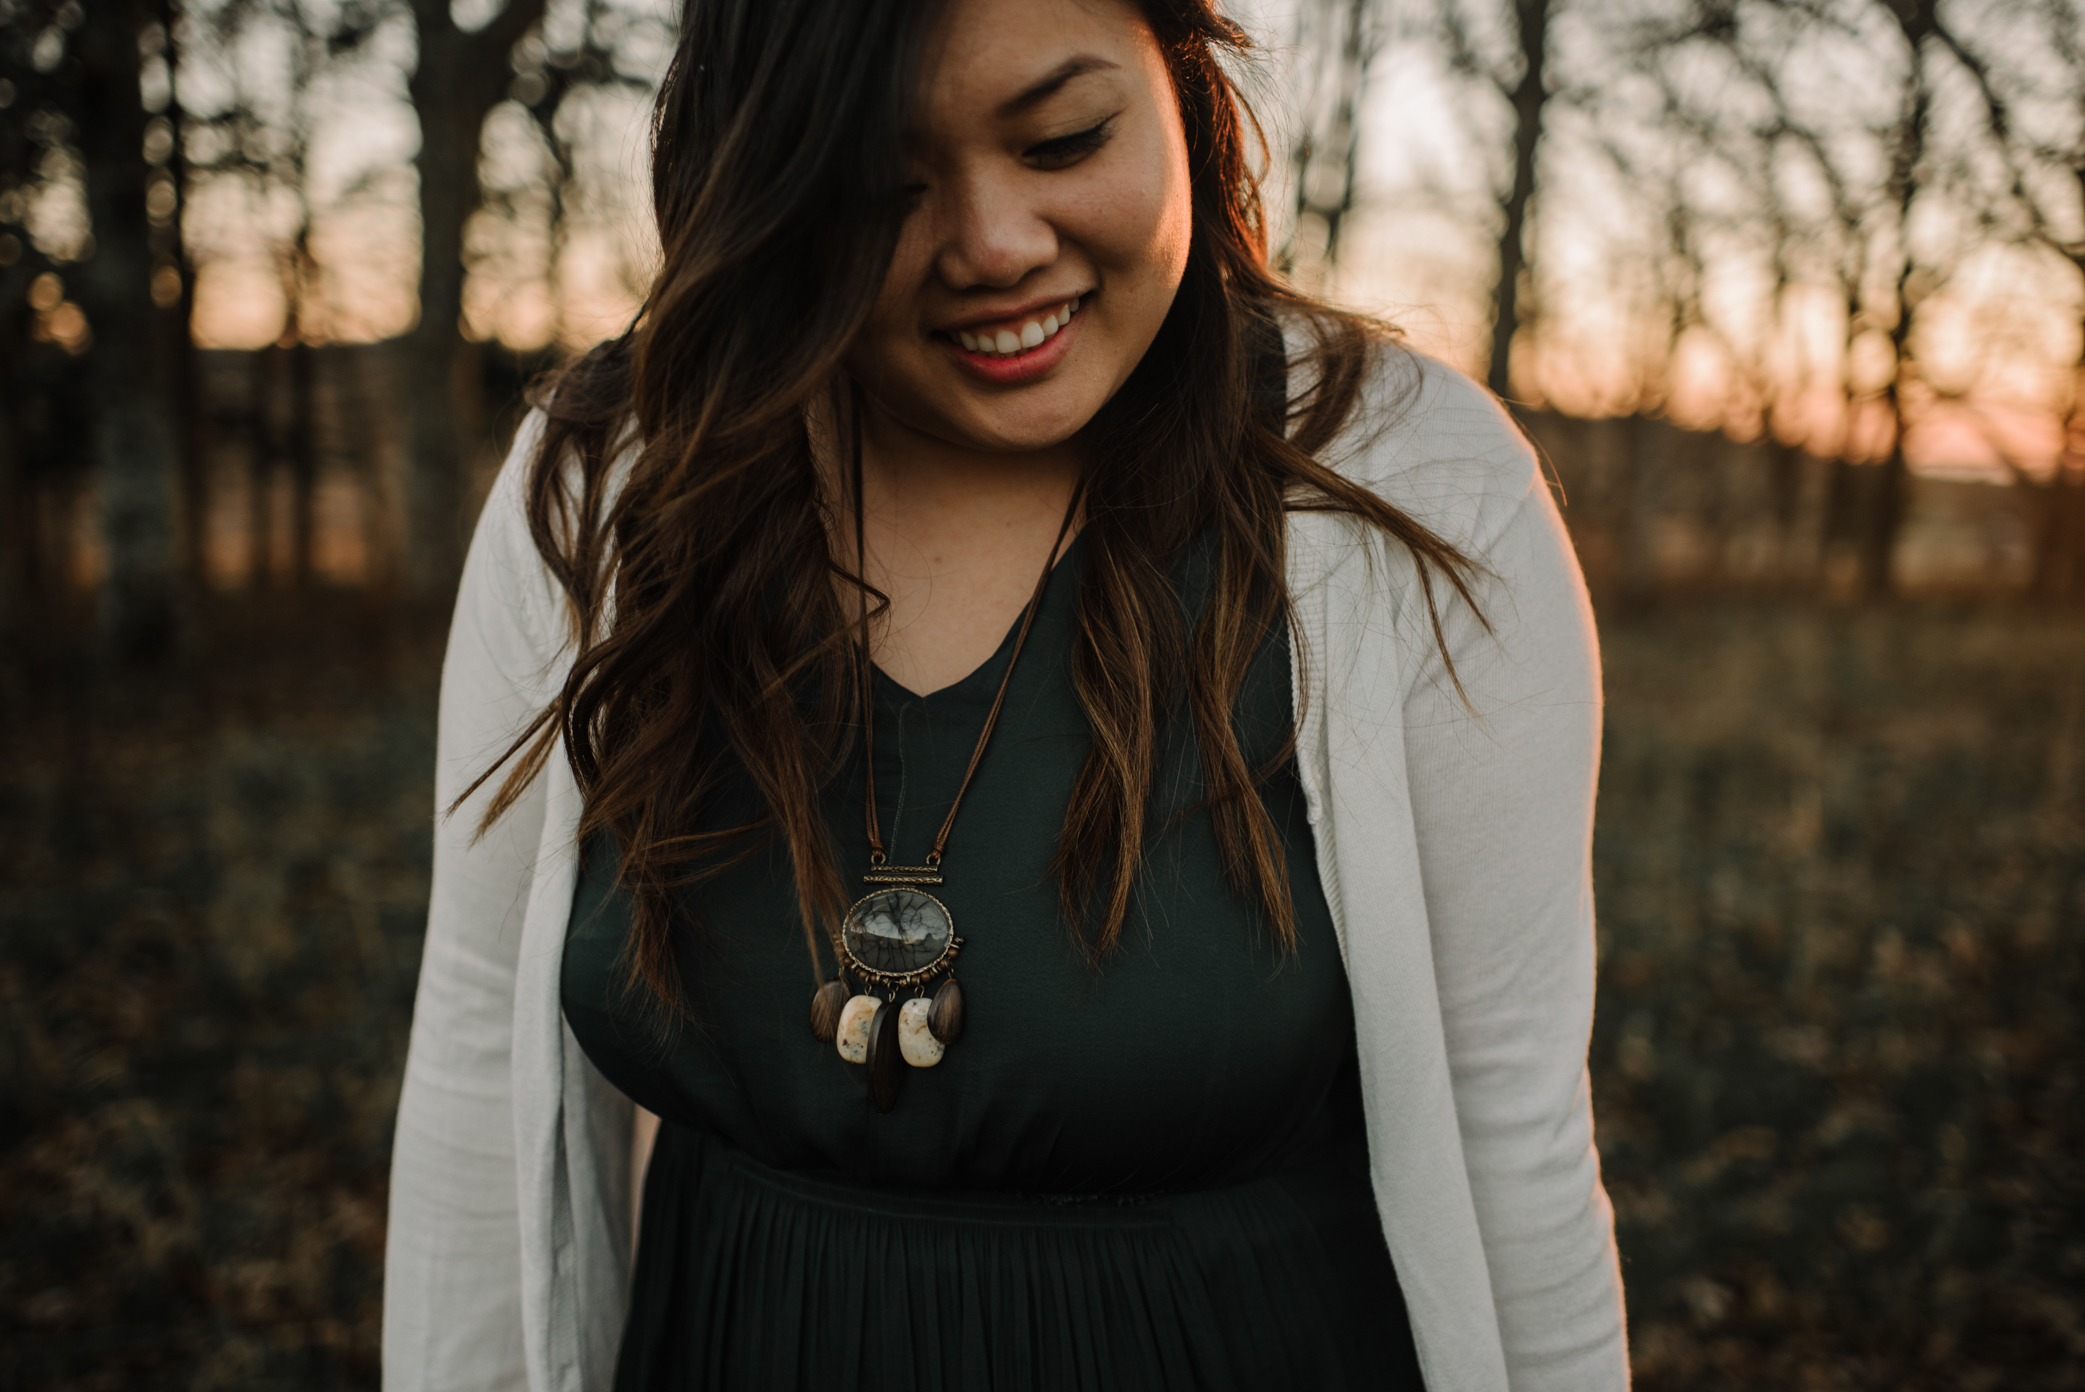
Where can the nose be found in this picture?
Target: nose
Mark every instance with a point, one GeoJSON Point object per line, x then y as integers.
{"type": "Point", "coordinates": [992, 236]}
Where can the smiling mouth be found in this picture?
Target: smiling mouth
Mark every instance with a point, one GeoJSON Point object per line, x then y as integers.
{"type": "Point", "coordinates": [1011, 340]}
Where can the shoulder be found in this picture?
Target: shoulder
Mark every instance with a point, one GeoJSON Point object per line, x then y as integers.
{"type": "Point", "coordinates": [508, 590]}
{"type": "Point", "coordinates": [503, 541]}
{"type": "Point", "coordinates": [506, 548]}
{"type": "Point", "coordinates": [1439, 447]}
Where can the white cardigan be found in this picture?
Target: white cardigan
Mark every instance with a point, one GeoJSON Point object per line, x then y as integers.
{"type": "Point", "coordinates": [1454, 852]}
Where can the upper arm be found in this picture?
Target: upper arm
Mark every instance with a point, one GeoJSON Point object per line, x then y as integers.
{"type": "Point", "coordinates": [452, 1299]}
{"type": "Point", "coordinates": [1501, 775]}
{"type": "Point", "coordinates": [497, 676]}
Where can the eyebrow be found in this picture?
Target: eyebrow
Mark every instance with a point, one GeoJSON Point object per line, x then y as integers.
{"type": "Point", "coordinates": [1048, 87]}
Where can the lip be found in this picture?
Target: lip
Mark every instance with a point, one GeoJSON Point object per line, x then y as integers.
{"type": "Point", "coordinates": [1003, 318]}
{"type": "Point", "coordinates": [1020, 368]}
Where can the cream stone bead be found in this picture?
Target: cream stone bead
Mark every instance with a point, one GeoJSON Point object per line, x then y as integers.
{"type": "Point", "coordinates": [852, 1038]}
{"type": "Point", "coordinates": [915, 1041]}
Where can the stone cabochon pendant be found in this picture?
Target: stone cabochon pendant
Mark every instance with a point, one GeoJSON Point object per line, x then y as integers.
{"type": "Point", "coordinates": [899, 937]}
{"type": "Point", "coordinates": [893, 938]}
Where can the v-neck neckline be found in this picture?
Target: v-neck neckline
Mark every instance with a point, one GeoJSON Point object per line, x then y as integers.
{"type": "Point", "coordinates": [981, 680]}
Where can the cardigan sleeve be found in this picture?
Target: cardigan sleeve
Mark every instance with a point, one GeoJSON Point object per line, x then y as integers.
{"type": "Point", "coordinates": [1501, 786]}
{"type": "Point", "coordinates": [452, 1263]}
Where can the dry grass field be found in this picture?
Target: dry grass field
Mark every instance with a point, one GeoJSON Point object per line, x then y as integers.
{"type": "Point", "coordinates": [1841, 868]}
{"type": "Point", "coordinates": [1841, 863]}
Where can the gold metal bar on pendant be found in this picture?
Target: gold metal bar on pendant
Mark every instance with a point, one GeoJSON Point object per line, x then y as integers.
{"type": "Point", "coordinates": [903, 875]}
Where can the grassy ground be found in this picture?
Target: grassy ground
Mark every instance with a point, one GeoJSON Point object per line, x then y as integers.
{"type": "Point", "coordinates": [212, 909]}
{"type": "Point", "coordinates": [1841, 863]}
{"type": "Point", "coordinates": [1842, 892]}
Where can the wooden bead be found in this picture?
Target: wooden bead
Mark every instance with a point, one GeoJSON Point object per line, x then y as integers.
{"type": "Point", "coordinates": [826, 1005]}
{"type": "Point", "coordinates": [945, 1019]}
{"type": "Point", "coordinates": [915, 1041]}
{"type": "Point", "coordinates": [886, 1062]}
{"type": "Point", "coordinates": [851, 1037]}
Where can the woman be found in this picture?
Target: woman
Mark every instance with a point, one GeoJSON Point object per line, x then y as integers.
{"type": "Point", "coordinates": [974, 552]}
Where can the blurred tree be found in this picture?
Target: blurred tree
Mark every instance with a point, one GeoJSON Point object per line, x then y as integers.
{"type": "Point", "coordinates": [460, 76]}
{"type": "Point", "coordinates": [1909, 179]}
{"type": "Point", "coordinates": [173, 278]}
{"type": "Point", "coordinates": [264, 136]}
{"type": "Point", "coordinates": [1336, 41]}
{"type": "Point", "coordinates": [2028, 65]}
{"type": "Point", "coordinates": [91, 261]}
{"type": "Point", "coordinates": [1517, 68]}
{"type": "Point", "coordinates": [1840, 186]}
{"type": "Point", "coordinates": [135, 428]}
{"type": "Point", "coordinates": [296, 442]}
{"type": "Point", "coordinates": [33, 366]}
{"type": "Point", "coordinates": [599, 49]}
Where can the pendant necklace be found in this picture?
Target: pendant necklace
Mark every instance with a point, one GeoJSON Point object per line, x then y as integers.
{"type": "Point", "coordinates": [898, 937]}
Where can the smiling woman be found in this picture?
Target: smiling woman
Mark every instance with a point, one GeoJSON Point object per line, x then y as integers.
{"type": "Point", "coordinates": [971, 515]}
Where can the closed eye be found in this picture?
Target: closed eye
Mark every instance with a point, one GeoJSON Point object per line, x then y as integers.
{"type": "Point", "coordinates": [1070, 149]}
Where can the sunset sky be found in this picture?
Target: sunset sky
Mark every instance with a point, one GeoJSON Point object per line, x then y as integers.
{"type": "Point", "coordinates": [1995, 340]}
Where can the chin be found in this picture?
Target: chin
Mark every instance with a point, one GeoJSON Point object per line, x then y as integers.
{"type": "Point", "coordinates": [929, 398]}
{"type": "Point", "coordinates": [1037, 418]}
{"type": "Point", "coordinates": [1015, 432]}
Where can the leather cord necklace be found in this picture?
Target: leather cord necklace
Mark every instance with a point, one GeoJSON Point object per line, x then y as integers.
{"type": "Point", "coordinates": [898, 937]}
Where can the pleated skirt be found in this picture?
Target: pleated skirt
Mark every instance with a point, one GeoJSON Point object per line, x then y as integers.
{"type": "Point", "coordinates": [754, 1278]}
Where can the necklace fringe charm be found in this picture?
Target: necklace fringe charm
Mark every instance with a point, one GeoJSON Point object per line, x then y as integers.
{"type": "Point", "coordinates": [851, 1038]}
{"type": "Point", "coordinates": [945, 1016]}
{"type": "Point", "coordinates": [826, 1005]}
{"type": "Point", "coordinates": [886, 1064]}
{"type": "Point", "coordinates": [915, 1040]}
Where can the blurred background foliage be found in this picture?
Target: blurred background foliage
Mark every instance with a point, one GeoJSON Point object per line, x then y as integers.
{"type": "Point", "coordinates": [1791, 294]}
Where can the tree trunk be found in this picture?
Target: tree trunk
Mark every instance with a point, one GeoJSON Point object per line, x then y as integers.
{"type": "Point", "coordinates": [262, 451]}
{"type": "Point", "coordinates": [17, 535]}
{"type": "Point", "coordinates": [2058, 520]}
{"type": "Point", "coordinates": [1528, 97]}
{"type": "Point", "coordinates": [1637, 543]}
{"type": "Point", "coordinates": [1888, 504]}
{"type": "Point", "coordinates": [134, 436]}
{"type": "Point", "coordinates": [1785, 479]}
{"type": "Point", "coordinates": [1915, 21]}
{"type": "Point", "coordinates": [1327, 150]}
{"type": "Point", "coordinates": [459, 79]}
{"type": "Point", "coordinates": [303, 456]}
{"type": "Point", "coordinates": [1891, 497]}
{"type": "Point", "coordinates": [177, 341]}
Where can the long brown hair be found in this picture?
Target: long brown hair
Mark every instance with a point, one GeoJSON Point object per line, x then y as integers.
{"type": "Point", "coordinates": [675, 497]}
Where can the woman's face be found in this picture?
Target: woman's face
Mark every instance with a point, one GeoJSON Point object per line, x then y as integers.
{"type": "Point", "coordinates": [1048, 229]}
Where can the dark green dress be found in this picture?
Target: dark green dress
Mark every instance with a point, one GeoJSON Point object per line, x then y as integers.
{"type": "Point", "coordinates": [1149, 1176]}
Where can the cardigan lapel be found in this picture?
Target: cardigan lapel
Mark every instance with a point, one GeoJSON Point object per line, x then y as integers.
{"type": "Point", "coordinates": [1349, 697]}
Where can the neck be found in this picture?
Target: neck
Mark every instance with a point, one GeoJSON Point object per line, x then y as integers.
{"type": "Point", "coordinates": [954, 537]}
{"type": "Point", "coordinates": [909, 474]}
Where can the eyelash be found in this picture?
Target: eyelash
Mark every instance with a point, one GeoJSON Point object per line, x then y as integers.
{"type": "Point", "coordinates": [1060, 153]}
{"type": "Point", "coordinates": [1067, 148]}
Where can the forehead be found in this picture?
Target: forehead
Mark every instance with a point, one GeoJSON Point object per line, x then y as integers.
{"type": "Point", "coordinates": [999, 59]}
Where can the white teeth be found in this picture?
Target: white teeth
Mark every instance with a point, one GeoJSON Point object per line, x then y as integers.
{"type": "Point", "coordinates": [1033, 334]}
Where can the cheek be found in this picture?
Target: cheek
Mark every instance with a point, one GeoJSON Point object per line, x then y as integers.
{"type": "Point", "coordinates": [1139, 219]}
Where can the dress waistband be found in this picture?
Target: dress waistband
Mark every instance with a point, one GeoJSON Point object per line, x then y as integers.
{"type": "Point", "coordinates": [681, 1146]}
